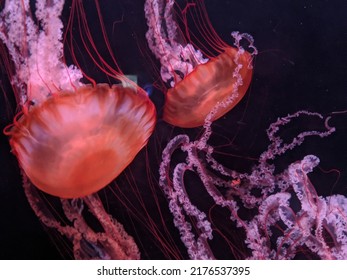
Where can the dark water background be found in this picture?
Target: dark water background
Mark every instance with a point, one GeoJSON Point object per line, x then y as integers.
{"type": "Point", "coordinates": [302, 65]}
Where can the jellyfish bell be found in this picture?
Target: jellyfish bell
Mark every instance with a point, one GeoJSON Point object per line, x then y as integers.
{"type": "Point", "coordinates": [190, 101]}
{"type": "Point", "coordinates": [200, 79]}
{"type": "Point", "coordinates": [75, 143]}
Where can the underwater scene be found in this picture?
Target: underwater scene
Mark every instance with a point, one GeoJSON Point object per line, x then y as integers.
{"type": "Point", "coordinates": [173, 129]}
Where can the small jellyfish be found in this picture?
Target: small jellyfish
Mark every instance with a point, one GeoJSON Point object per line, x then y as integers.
{"type": "Point", "coordinates": [199, 81]}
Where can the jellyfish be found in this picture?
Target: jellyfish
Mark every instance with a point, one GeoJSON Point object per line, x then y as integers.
{"type": "Point", "coordinates": [187, 194]}
{"type": "Point", "coordinates": [75, 143]}
{"type": "Point", "coordinates": [274, 215]}
{"type": "Point", "coordinates": [71, 139]}
{"type": "Point", "coordinates": [198, 80]}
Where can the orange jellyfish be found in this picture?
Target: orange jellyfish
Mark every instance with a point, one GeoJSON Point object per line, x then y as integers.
{"type": "Point", "coordinates": [71, 139]}
{"type": "Point", "coordinates": [75, 143]}
{"type": "Point", "coordinates": [201, 84]}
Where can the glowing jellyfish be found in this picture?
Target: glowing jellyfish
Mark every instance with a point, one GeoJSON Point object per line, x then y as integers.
{"type": "Point", "coordinates": [71, 139]}
{"type": "Point", "coordinates": [76, 143]}
{"type": "Point", "coordinates": [259, 203]}
{"type": "Point", "coordinates": [208, 210]}
{"type": "Point", "coordinates": [197, 83]}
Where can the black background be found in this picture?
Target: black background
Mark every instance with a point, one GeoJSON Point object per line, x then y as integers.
{"type": "Point", "coordinates": [301, 65]}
